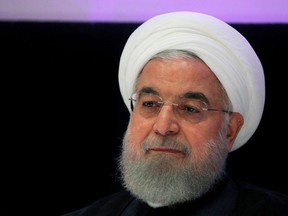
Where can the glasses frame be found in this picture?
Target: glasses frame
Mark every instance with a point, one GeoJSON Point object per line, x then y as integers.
{"type": "Point", "coordinates": [174, 104]}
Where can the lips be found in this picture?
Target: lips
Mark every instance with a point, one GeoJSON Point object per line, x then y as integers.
{"type": "Point", "coordinates": [166, 150]}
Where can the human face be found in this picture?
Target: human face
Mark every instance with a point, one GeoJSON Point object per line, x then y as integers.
{"type": "Point", "coordinates": [166, 159]}
{"type": "Point", "coordinates": [172, 79]}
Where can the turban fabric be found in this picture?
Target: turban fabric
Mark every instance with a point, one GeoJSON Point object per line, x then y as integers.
{"type": "Point", "coordinates": [226, 52]}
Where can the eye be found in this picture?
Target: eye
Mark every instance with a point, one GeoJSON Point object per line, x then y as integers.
{"type": "Point", "coordinates": [150, 104]}
{"type": "Point", "coordinates": [189, 109]}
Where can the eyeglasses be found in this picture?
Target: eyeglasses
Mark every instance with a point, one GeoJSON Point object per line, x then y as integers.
{"type": "Point", "coordinates": [191, 110]}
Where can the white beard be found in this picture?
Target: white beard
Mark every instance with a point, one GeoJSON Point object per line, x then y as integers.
{"type": "Point", "coordinates": [165, 179]}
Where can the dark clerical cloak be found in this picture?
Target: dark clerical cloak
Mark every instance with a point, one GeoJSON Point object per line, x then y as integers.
{"type": "Point", "coordinates": [228, 198]}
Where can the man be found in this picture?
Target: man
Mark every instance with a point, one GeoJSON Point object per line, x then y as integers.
{"type": "Point", "coordinates": [195, 89]}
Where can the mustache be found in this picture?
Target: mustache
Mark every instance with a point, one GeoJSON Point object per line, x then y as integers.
{"type": "Point", "coordinates": [167, 142]}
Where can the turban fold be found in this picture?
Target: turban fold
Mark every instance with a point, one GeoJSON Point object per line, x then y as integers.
{"type": "Point", "coordinates": [226, 52]}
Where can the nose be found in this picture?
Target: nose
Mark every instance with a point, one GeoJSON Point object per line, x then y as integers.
{"type": "Point", "coordinates": [166, 122]}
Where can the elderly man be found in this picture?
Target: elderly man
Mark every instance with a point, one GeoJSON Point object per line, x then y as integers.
{"type": "Point", "coordinates": [196, 91]}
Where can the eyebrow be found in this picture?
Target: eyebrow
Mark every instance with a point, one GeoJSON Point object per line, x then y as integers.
{"type": "Point", "coordinates": [196, 96]}
{"type": "Point", "coordinates": [148, 90]}
{"type": "Point", "coordinates": [188, 95]}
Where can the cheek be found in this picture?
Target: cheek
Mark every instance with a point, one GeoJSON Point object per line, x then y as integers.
{"type": "Point", "coordinates": [199, 135]}
{"type": "Point", "coordinates": [139, 130]}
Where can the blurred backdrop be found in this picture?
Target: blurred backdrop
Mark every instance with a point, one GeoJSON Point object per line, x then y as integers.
{"type": "Point", "coordinates": [63, 114]}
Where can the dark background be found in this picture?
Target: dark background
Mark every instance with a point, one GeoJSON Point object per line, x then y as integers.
{"type": "Point", "coordinates": [64, 117]}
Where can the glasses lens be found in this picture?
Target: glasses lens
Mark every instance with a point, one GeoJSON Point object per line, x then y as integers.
{"type": "Point", "coordinates": [147, 105]}
{"type": "Point", "coordinates": [191, 110]}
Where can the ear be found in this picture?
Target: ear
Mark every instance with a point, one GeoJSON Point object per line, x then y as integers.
{"type": "Point", "coordinates": [235, 123]}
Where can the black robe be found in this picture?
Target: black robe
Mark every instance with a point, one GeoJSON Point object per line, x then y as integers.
{"type": "Point", "coordinates": [229, 198]}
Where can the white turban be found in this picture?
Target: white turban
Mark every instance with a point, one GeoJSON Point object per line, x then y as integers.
{"type": "Point", "coordinates": [228, 54]}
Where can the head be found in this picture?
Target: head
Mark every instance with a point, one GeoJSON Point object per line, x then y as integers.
{"type": "Point", "coordinates": [183, 120]}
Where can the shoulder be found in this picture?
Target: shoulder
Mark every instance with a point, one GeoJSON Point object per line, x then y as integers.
{"type": "Point", "coordinates": [112, 204]}
{"type": "Point", "coordinates": [255, 200]}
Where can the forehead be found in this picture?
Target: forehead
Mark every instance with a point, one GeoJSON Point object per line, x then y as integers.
{"type": "Point", "coordinates": [178, 76]}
